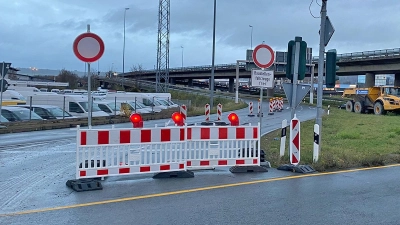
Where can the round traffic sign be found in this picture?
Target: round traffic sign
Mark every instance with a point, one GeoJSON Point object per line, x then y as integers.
{"type": "Point", "coordinates": [263, 56]}
{"type": "Point", "coordinates": [88, 47]}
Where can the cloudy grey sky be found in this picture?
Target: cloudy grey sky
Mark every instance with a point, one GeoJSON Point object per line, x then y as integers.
{"type": "Point", "coordinates": [40, 33]}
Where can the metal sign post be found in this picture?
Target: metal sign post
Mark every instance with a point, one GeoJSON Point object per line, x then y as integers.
{"type": "Point", "coordinates": [88, 47]}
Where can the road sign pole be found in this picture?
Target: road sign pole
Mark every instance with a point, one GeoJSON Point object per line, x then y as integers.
{"type": "Point", "coordinates": [237, 82]}
{"type": "Point", "coordinates": [89, 90]}
{"type": "Point", "coordinates": [312, 85]}
{"type": "Point", "coordinates": [295, 75]}
{"type": "Point", "coordinates": [321, 70]}
{"type": "Point", "coordinates": [2, 83]}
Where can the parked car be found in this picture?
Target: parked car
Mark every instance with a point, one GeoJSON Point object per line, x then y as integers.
{"type": "Point", "coordinates": [49, 111]}
{"type": "Point", "coordinates": [12, 113]}
{"type": "Point", "coordinates": [3, 119]}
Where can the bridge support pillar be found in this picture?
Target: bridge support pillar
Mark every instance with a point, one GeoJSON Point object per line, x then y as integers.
{"type": "Point", "coordinates": [231, 85]}
{"type": "Point", "coordinates": [369, 79]}
{"type": "Point", "coordinates": [172, 80]}
{"type": "Point", "coordinates": [397, 79]}
{"type": "Point", "coordinates": [270, 92]}
{"type": "Point", "coordinates": [190, 82]}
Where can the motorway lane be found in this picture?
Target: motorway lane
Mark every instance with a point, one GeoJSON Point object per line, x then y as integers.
{"type": "Point", "coordinates": [344, 197]}
{"type": "Point", "coordinates": [36, 165]}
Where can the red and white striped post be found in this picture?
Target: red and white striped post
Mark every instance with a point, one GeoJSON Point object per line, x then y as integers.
{"type": "Point", "coordinates": [294, 141]}
{"type": "Point", "coordinates": [271, 107]}
{"type": "Point", "coordinates": [207, 112]}
{"type": "Point", "coordinates": [281, 103]}
{"type": "Point", "coordinates": [219, 111]}
{"type": "Point", "coordinates": [251, 109]}
{"type": "Point", "coordinates": [183, 110]}
{"type": "Point", "coordinates": [259, 108]}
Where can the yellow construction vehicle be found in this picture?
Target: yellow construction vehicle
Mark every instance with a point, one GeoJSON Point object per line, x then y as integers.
{"type": "Point", "coordinates": [379, 99]}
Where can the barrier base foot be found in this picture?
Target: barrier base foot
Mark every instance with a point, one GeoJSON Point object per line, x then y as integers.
{"type": "Point", "coordinates": [297, 168]}
{"type": "Point", "coordinates": [247, 169]}
{"type": "Point", "coordinates": [174, 174]}
{"type": "Point", "coordinates": [265, 164]}
{"type": "Point", "coordinates": [258, 114]}
{"type": "Point", "coordinates": [271, 113]}
{"type": "Point", "coordinates": [251, 115]}
{"type": "Point", "coordinates": [80, 185]}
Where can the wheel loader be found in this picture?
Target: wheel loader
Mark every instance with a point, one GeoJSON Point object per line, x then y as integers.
{"type": "Point", "coordinates": [379, 99]}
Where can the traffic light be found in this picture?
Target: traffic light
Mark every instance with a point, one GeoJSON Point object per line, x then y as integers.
{"type": "Point", "coordinates": [291, 59]}
{"type": "Point", "coordinates": [177, 118]}
{"type": "Point", "coordinates": [331, 68]}
{"type": "Point", "coordinates": [136, 120]}
{"type": "Point", "coordinates": [234, 119]}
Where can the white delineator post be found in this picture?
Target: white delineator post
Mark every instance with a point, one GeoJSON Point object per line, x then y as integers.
{"type": "Point", "coordinates": [294, 141]}
{"type": "Point", "coordinates": [283, 138]}
{"type": "Point", "coordinates": [316, 143]}
{"type": "Point", "coordinates": [219, 111]}
{"type": "Point", "coordinates": [207, 112]}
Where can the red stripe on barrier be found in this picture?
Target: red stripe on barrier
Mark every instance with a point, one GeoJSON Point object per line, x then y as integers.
{"type": "Point", "coordinates": [182, 134]}
{"type": "Point", "coordinates": [204, 133]}
{"type": "Point", "coordinates": [189, 134]}
{"type": "Point", "coordinates": [102, 172]}
{"type": "Point", "coordinates": [223, 133]}
{"type": "Point", "coordinates": [181, 166]}
{"type": "Point", "coordinates": [240, 133]}
{"type": "Point", "coordinates": [165, 134]}
{"type": "Point", "coordinates": [82, 173]}
{"type": "Point", "coordinates": [296, 141]}
{"type": "Point", "coordinates": [124, 136]}
{"type": "Point", "coordinates": [189, 163]}
{"type": "Point", "coordinates": [83, 138]}
{"type": "Point", "coordinates": [294, 123]}
{"type": "Point", "coordinates": [255, 132]}
{"type": "Point", "coordinates": [103, 137]}
{"type": "Point", "coordinates": [294, 159]}
{"type": "Point", "coordinates": [124, 170]}
{"type": "Point", "coordinates": [222, 162]}
{"type": "Point", "coordinates": [165, 167]}
{"type": "Point", "coordinates": [145, 135]}
{"type": "Point", "coordinates": [204, 163]}
{"type": "Point", "coordinates": [144, 169]}
{"type": "Point", "coordinates": [239, 161]}
{"type": "Point", "coordinates": [255, 161]}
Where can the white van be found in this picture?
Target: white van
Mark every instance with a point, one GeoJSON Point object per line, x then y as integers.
{"type": "Point", "coordinates": [76, 105]}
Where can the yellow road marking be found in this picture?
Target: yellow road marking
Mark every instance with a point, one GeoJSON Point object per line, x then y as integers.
{"type": "Point", "coordinates": [190, 191]}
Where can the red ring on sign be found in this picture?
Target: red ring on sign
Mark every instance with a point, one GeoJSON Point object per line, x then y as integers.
{"type": "Point", "coordinates": [84, 59]}
{"type": "Point", "coordinates": [264, 66]}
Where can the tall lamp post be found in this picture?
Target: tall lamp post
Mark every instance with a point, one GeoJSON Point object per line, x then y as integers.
{"type": "Point", "coordinates": [123, 52]}
{"type": "Point", "coordinates": [213, 59]}
{"type": "Point", "coordinates": [251, 37]}
{"type": "Point", "coordinates": [182, 56]}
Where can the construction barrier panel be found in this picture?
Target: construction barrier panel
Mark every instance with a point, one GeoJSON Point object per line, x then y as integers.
{"type": "Point", "coordinates": [115, 152]}
{"type": "Point", "coordinates": [213, 146]}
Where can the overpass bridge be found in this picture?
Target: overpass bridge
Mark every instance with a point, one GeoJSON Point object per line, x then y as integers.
{"type": "Point", "coordinates": [369, 63]}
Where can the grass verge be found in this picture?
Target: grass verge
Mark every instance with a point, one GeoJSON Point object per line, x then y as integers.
{"type": "Point", "coordinates": [199, 101]}
{"type": "Point", "coordinates": [349, 140]}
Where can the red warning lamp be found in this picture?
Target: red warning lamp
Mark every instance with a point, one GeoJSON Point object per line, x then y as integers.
{"type": "Point", "coordinates": [234, 119]}
{"type": "Point", "coordinates": [177, 118]}
{"type": "Point", "coordinates": [136, 120]}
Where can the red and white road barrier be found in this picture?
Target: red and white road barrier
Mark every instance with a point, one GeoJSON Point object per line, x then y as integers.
{"type": "Point", "coordinates": [115, 152]}
{"type": "Point", "coordinates": [183, 110]}
{"type": "Point", "coordinates": [274, 104]}
{"type": "Point", "coordinates": [283, 138]}
{"type": "Point", "coordinates": [207, 112]}
{"type": "Point", "coordinates": [271, 107]}
{"type": "Point", "coordinates": [259, 107]}
{"type": "Point", "coordinates": [219, 111]}
{"type": "Point", "coordinates": [295, 141]}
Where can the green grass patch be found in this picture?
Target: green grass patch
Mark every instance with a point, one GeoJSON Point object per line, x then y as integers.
{"type": "Point", "coordinates": [349, 140]}
{"type": "Point", "coordinates": [199, 101]}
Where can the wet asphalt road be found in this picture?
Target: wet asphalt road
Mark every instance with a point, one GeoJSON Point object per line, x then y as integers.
{"type": "Point", "coordinates": [35, 166]}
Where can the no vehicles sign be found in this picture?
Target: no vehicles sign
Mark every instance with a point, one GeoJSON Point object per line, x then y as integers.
{"type": "Point", "coordinates": [262, 78]}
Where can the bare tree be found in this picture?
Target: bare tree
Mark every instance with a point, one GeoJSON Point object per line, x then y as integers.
{"type": "Point", "coordinates": [137, 70]}
{"type": "Point", "coordinates": [68, 76]}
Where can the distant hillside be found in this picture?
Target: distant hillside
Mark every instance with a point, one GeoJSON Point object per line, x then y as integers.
{"type": "Point", "coordinates": [47, 72]}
